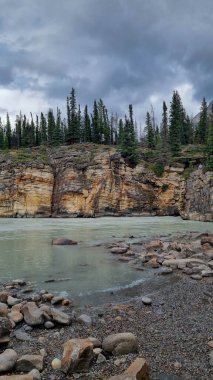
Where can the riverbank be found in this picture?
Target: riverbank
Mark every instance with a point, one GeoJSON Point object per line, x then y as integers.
{"type": "Point", "coordinates": [172, 329]}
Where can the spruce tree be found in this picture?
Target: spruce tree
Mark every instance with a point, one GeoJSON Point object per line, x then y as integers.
{"type": "Point", "coordinates": [57, 136]}
{"type": "Point", "coordinates": [51, 125]}
{"type": "Point", "coordinates": [87, 135]}
{"type": "Point", "coordinates": [18, 130]}
{"type": "Point", "coordinates": [202, 128]}
{"type": "Point", "coordinates": [209, 145]}
{"type": "Point", "coordinates": [1, 135]}
{"type": "Point", "coordinates": [37, 132]}
{"type": "Point", "coordinates": [150, 135]}
{"type": "Point", "coordinates": [96, 137]}
{"type": "Point", "coordinates": [73, 130]}
{"type": "Point", "coordinates": [8, 133]}
{"type": "Point", "coordinates": [175, 124]}
{"type": "Point", "coordinates": [43, 129]}
{"type": "Point", "coordinates": [129, 145]}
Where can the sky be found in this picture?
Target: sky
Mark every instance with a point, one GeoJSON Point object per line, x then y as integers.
{"type": "Point", "coordinates": [123, 51]}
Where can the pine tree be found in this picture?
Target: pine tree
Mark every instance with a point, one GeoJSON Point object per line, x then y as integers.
{"type": "Point", "coordinates": [87, 135]}
{"type": "Point", "coordinates": [37, 133]}
{"type": "Point", "coordinates": [209, 145]}
{"type": "Point", "coordinates": [32, 132]}
{"type": "Point", "coordinates": [73, 130]}
{"type": "Point", "coordinates": [202, 128]}
{"type": "Point", "coordinates": [43, 129]}
{"type": "Point", "coordinates": [18, 124]}
{"type": "Point", "coordinates": [8, 133]}
{"type": "Point", "coordinates": [129, 146]}
{"type": "Point", "coordinates": [150, 135]}
{"type": "Point", "coordinates": [1, 135]}
{"type": "Point", "coordinates": [50, 126]}
{"type": "Point", "coordinates": [96, 137]}
{"type": "Point", "coordinates": [175, 124]}
{"type": "Point", "coordinates": [120, 131]}
{"type": "Point", "coordinates": [57, 136]}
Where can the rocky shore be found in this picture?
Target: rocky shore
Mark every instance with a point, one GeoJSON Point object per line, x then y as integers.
{"type": "Point", "coordinates": [170, 331]}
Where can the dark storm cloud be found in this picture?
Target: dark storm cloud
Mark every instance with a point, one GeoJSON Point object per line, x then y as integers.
{"type": "Point", "coordinates": [121, 50]}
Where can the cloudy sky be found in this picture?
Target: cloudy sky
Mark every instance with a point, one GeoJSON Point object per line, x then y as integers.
{"type": "Point", "coordinates": [123, 51]}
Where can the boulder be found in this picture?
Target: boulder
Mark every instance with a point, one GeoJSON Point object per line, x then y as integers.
{"type": "Point", "coordinates": [28, 362]}
{"type": "Point", "coordinates": [77, 355]}
{"type": "Point", "coordinates": [60, 316]}
{"type": "Point", "coordinates": [154, 245]}
{"type": "Point", "coordinates": [5, 329]}
{"type": "Point", "coordinates": [32, 314]}
{"type": "Point", "coordinates": [120, 344]}
{"type": "Point", "coordinates": [207, 238]}
{"type": "Point", "coordinates": [11, 301]}
{"type": "Point", "coordinates": [15, 315]}
{"type": "Point", "coordinates": [4, 296]}
{"type": "Point", "coordinates": [138, 370]}
{"type": "Point", "coordinates": [119, 250]}
{"type": "Point", "coordinates": [64, 242]}
{"type": "Point", "coordinates": [8, 360]}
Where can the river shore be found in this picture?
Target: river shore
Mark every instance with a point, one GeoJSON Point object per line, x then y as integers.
{"type": "Point", "coordinates": [174, 332]}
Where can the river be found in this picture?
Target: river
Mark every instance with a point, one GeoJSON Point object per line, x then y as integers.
{"type": "Point", "coordinates": [92, 273]}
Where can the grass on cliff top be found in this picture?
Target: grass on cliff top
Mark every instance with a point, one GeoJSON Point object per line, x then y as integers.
{"type": "Point", "coordinates": [26, 155]}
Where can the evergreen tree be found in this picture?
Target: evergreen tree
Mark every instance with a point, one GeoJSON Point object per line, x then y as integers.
{"type": "Point", "coordinates": [120, 131]}
{"type": "Point", "coordinates": [209, 145]}
{"type": "Point", "coordinates": [18, 130]}
{"type": "Point", "coordinates": [202, 128]}
{"type": "Point", "coordinates": [37, 133]}
{"type": "Point", "coordinates": [32, 132]}
{"type": "Point", "coordinates": [175, 124]}
{"type": "Point", "coordinates": [57, 136]}
{"type": "Point", "coordinates": [8, 133]}
{"type": "Point", "coordinates": [43, 129]}
{"type": "Point", "coordinates": [73, 130]}
{"type": "Point", "coordinates": [96, 137]}
{"type": "Point", "coordinates": [150, 135]}
{"type": "Point", "coordinates": [129, 146]}
{"type": "Point", "coordinates": [1, 135]}
{"type": "Point", "coordinates": [87, 135]}
{"type": "Point", "coordinates": [50, 126]}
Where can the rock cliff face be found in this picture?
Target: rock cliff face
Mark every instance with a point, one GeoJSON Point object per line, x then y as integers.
{"type": "Point", "coordinates": [197, 199]}
{"type": "Point", "coordinates": [97, 182]}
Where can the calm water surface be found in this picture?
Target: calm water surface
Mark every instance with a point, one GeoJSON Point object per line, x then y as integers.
{"type": "Point", "coordinates": [26, 252]}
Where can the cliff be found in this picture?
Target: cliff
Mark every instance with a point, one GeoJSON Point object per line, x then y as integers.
{"type": "Point", "coordinates": [88, 181]}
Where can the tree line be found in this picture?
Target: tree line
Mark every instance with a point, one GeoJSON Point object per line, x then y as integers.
{"type": "Point", "coordinates": [79, 126]}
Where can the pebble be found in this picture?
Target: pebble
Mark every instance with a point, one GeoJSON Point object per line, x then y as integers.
{"type": "Point", "coordinates": [49, 325]}
{"type": "Point", "coordinates": [211, 358]}
{"type": "Point", "coordinates": [146, 300]}
{"type": "Point", "coordinates": [210, 343]}
{"type": "Point", "coordinates": [56, 363]}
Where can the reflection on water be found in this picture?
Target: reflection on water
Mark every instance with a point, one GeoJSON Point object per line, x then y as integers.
{"type": "Point", "coordinates": [26, 251]}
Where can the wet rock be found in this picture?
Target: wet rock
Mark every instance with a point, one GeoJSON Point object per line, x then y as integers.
{"type": "Point", "coordinates": [146, 300]}
{"type": "Point", "coordinates": [154, 245]}
{"type": "Point", "coordinates": [207, 273]}
{"type": "Point", "coordinates": [5, 329]}
{"type": "Point", "coordinates": [57, 300]}
{"type": "Point", "coordinates": [77, 355]}
{"type": "Point", "coordinates": [32, 314]}
{"type": "Point", "coordinates": [208, 238]}
{"type": "Point", "coordinates": [153, 263]}
{"type": "Point", "coordinates": [138, 370]}
{"type": "Point", "coordinates": [8, 360]}
{"type": "Point", "coordinates": [64, 242]}
{"type": "Point", "coordinates": [28, 362]}
{"type": "Point", "coordinates": [3, 310]}
{"type": "Point", "coordinates": [47, 297]}
{"type": "Point", "coordinates": [86, 319]}
{"type": "Point", "coordinates": [20, 282]}
{"type": "Point", "coordinates": [196, 277]}
{"type": "Point", "coordinates": [120, 344]}
{"type": "Point", "coordinates": [166, 271]}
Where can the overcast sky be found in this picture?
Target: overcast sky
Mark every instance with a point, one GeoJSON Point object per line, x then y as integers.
{"type": "Point", "coordinates": [123, 51]}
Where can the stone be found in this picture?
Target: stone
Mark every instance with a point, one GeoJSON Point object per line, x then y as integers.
{"type": "Point", "coordinates": [97, 351]}
{"type": "Point", "coordinates": [20, 282]}
{"type": "Point", "coordinates": [57, 300]}
{"type": "Point", "coordinates": [8, 360]}
{"type": "Point", "coordinates": [64, 242]}
{"type": "Point", "coordinates": [33, 316]}
{"type": "Point", "coordinates": [5, 329]}
{"type": "Point", "coordinates": [153, 263]}
{"type": "Point", "coordinates": [120, 344]}
{"type": "Point", "coordinates": [196, 277]}
{"type": "Point", "coordinates": [210, 263]}
{"type": "Point", "coordinates": [47, 297]}
{"type": "Point", "coordinates": [207, 273]}
{"type": "Point", "coordinates": [22, 335]}
{"type": "Point", "coordinates": [86, 319]}
{"type": "Point", "coordinates": [96, 342]}
{"type": "Point", "coordinates": [16, 316]}
{"type": "Point", "coordinates": [166, 271]}
{"type": "Point", "coordinates": [211, 358]}
{"type": "Point", "coordinates": [56, 363]}
{"type": "Point", "coordinates": [138, 370]}
{"type": "Point", "coordinates": [146, 300]}
{"type": "Point", "coordinates": [210, 343]}
{"type": "Point", "coordinates": [77, 355]}
{"type": "Point", "coordinates": [3, 309]}
{"type": "Point", "coordinates": [13, 301]}
{"type": "Point", "coordinates": [208, 238]}
{"type": "Point", "coordinates": [100, 359]}
{"type": "Point", "coordinates": [49, 325]}
{"type": "Point", "coordinates": [60, 317]}
{"type": "Point", "coordinates": [36, 374]}
{"type": "Point", "coordinates": [119, 250]}
{"type": "Point", "coordinates": [154, 245]}
{"type": "Point", "coordinates": [4, 296]}
{"type": "Point", "coordinates": [28, 362]}
{"type": "Point", "coordinates": [29, 376]}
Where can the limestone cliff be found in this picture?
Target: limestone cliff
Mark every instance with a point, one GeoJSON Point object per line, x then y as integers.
{"type": "Point", "coordinates": [87, 182]}
{"type": "Point", "coordinates": [197, 199]}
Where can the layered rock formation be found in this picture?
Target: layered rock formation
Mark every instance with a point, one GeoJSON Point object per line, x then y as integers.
{"type": "Point", "coordinates": [92, 181]}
